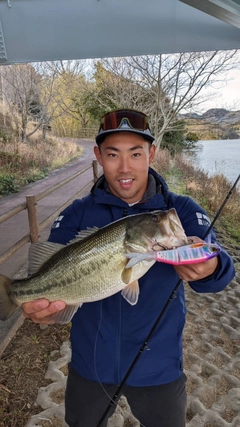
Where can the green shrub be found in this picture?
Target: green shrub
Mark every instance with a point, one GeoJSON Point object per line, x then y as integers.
{"type": "Point", "coordinates": [192, 137]}
{"type": "Point", "coordinates": [7, 185]}
{"type": "Point", "coordinates": [3, 136]}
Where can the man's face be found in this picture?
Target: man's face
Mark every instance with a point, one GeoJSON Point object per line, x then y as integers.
{"type": "Point", "coordinates": [125, 158]}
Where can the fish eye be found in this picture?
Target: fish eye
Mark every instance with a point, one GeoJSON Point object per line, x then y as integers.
{"type": "Point", "coordinates": [155, 218]}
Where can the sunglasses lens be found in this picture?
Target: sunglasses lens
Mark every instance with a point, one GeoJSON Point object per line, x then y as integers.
{"type": "Point", "coordinates": [135, 119]}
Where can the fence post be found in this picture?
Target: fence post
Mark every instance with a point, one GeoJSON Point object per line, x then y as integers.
{"type": "Point", "coordinates": [95, 170]}
{"type": "Point", "coordinates": [32, 218]}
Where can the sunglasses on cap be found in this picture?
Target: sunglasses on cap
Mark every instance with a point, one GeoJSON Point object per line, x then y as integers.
{"type": "Point", "coordinates": [114, 120]}
{"type": "Point", "coordinates": [124, 120]}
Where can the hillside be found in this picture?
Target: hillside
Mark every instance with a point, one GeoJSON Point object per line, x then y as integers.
{"type": "Point", "coordinates": [216, 123]}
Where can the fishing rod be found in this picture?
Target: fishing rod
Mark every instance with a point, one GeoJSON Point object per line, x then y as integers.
{"type": "Point", "coordinates": [117, 395]}
{"type": "Point", "coordinates": [221, 207]}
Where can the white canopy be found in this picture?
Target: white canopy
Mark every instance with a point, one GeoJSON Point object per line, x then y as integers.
{"type": "Point", "coordinates": [39, 30]}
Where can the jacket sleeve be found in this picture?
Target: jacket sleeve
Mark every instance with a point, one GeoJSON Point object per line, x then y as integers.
{"type": "Point", "coordinates": [67, 224]}
{"type": "Point", "coordinates": [196, 223]}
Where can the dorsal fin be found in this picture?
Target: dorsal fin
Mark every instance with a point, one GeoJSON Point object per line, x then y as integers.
{"type": "Point", "coordinates": [83, 234]}
{"type": "Point", "coordinates": [39, 253]}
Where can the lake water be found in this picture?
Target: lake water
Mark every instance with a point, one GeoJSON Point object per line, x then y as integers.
{"type": "Point", "coordinates": [217, 157]}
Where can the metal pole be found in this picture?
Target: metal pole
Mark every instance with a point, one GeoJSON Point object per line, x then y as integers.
{"type": "Point", "coordinates": [117, 395]}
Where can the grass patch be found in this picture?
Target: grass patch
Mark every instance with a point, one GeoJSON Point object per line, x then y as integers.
{"type": "Point", "coordinates": [7, 184]}
{"type": "Point", "coordinates": [22, 163]}
{"type": "Point", "coordinates": [208, 191]}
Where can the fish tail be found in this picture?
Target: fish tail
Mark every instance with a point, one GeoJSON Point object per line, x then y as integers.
{"type": "Point", "coordinates": [7, 306]}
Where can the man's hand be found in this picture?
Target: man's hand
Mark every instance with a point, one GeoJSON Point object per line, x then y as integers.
{"type": "Point", "coordinates": [192, 272]}
{"type": "Point", "coordinates": [40, 310]}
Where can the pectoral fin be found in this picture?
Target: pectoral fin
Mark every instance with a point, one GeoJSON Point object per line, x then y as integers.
{"type": "Point", "coordinates": [131, 292]}
{"type": "Point", "coordinates": [135, 258]}
{"type": "Point", "coordinates": [65, 315]}
{"type": "Point", "coordinates": [126, 275]}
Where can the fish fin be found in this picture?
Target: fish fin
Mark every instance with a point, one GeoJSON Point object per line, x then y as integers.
{"type": "Point", "coordinates": [7, 306]}
{"type": "Point", "coordinates": [83, 234]}
{"type": "Point", "coordinates": [126, 275]}
{"type": "Point", "coordinates": [65, 315]}
{"type": "Point", "coordinates": [39, 253]}
{"type": "Point", "coordinates": [131, 292]}
{"type": "Point", "coordinates": [135, 258]}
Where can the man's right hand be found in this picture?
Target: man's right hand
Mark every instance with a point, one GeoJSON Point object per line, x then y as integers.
{"type": "Point", "coordinates": [40, 310]}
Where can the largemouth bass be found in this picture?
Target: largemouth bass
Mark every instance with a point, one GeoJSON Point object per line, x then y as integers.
{"type": "Point", "coordinates": [93, 266]}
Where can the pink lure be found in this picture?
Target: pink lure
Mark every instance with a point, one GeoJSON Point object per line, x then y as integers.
{"type": "Point", "coordinates": [189, 254]}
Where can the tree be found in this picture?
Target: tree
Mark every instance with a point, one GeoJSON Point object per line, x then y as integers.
{"type": "Point", "coordinates": [167, 84]}
{"type": "Point", "coordinates": [37, 93]}
{"type": "Point", "coordinates": [19, 88]}
{"type": "Point", "coordinates": [69, 108]}
{"type": "Point", "coordinates": [177, 138]}
{"type": "Point", "coordinates": [111, 89]}
{"type": "Point", "coordinates": [192, 137]}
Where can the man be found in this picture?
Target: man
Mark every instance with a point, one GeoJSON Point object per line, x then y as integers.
{"type": "Point", "coordinates": [106, 335]}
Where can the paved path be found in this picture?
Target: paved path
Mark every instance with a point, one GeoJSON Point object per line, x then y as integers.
{"type": "Point", "coordinates": [16, 227]}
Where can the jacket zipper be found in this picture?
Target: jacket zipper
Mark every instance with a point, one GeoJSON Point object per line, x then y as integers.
{"type": "Point", "coordinates": [118, 342]}
{"type": "Point", "coordinates": [119, 331]}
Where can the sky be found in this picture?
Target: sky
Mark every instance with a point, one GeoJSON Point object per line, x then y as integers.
{"type": "Point", "coordinates": [225, 94]}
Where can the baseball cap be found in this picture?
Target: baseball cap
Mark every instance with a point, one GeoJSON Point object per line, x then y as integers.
{"type": "Point", "coordinates": [125, 120]}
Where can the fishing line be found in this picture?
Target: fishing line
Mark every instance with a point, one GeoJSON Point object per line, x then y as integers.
{"type": "Point", "coordinates": [95, 366]}
{"type": "Point", "coordinates": [116, 396]}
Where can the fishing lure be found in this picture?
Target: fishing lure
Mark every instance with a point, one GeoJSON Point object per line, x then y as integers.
{"type": "Point", "coordinates": [187, 254]}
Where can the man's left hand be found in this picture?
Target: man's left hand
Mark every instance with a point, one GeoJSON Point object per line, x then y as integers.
{"type": "Point", "coordinates": [192, 272]}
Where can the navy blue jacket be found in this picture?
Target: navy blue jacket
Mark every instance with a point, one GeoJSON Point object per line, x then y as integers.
{"type": "Point", "coordinates": [106, 335]}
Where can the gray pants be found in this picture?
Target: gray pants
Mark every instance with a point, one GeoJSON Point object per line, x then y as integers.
{"type": "Point", "coordinates": [155, 406]}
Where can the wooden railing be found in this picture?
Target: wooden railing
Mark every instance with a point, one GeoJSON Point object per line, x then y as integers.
{"type": "Point", "coordinates": [30, 205]}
